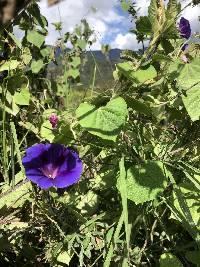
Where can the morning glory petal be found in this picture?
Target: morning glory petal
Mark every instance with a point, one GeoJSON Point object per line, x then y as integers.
{"type": "Point", "coordinates": [50, 165]}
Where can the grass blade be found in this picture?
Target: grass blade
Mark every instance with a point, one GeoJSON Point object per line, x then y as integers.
{"type": "Point", "coordinates": [123, 192]}
{"type": "Point", "coordinates": [17, 150]}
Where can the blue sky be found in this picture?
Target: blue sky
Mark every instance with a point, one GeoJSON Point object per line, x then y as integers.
{"type": "Point", "coordinates": [110, 23]}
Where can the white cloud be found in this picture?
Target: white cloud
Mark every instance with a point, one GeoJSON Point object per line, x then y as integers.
{"type": "Point", "coordinates": [142, 7]}
{"type": "Point", "coordinates": [70, 12]}
{"type": "Point", "coordinates": [108, 24]}
{"type": "Point", "coordinates": [126, 41]}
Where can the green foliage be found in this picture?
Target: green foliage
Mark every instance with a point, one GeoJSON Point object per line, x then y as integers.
{"type": "Point", "coordinates": [64, 257]}
{"type": "Point", "coordinates": [137, 202]}
{"type": "Point", "coordinates": [168, 259]}
{"type": "Point", "coordinates": [143, 25]}
{"type": "Point", "coordinates": [173, 8]}
{"type": "Point", "coordinates": [36, 66]}
{"type": "Point", "coordinates": [106, 121]}
{"type": "Point", "coordinates": [138, 76]}
{"type": "Point", "coordinates": [17, 197]}
{"type": "Point", "coordinates": [22, 98]}
{"type": "Point", "coordinates": [188, 76]}
{"type": "Point", "coordinates": [125, 5]}
{"type": "Point", "coordinates": [153, 15]}
{"type": "Point", "coordinates": [35, 38]}
{"type": "Point", "coordinates": [192, 101]}
{"type": "Point", "coordinates": [26, 56]}
{"type": "Point", "coordinates": [124, 195]}
{"type": "Point", "coordinates": [193, 256]}
{"type": "Point", "coordinates": [190, 211]}
{"type": "Point", "coordinates": [9, 65]}
{"type": "Point", "coordinates": [46, 131]}
{"type": "Point", "coordinates": [188, 80]}
{"type": "Point", "coordinates": [145, 182]}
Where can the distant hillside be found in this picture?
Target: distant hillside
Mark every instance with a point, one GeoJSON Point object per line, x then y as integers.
{"type": "Point", "coordinates": [114, 54]}
{"type": "Point", "coordinates": [104, 68]}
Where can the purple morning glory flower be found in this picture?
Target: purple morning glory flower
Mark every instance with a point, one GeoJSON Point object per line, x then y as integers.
{"type": "Point", "coordinates": [185, 47]}
{"type": "Point", "coordinates": [53, 120]}
{"type": "Point", "coordinates": [184, 28]}
{"type": "Point", "coordinates": [50, 165]}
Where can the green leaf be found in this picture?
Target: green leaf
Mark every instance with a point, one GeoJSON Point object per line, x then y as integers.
{"type": "Point", "coordinates": [17, 225]}
{"type": "Point", "coordinates": [123, 191]}
{"type": "Point", "coordinates": [9, 65]}
{"type": "Point", "coordinates": [58, 26]}
{"type": "Point", "coordinates": [138, 106]}
{"type": "Point", "coordinates": [175, 69]}
{"type": "Point", "coordinates": [169, 260]}
{"type": "Point", "coordinates": [65, 257]}
{"type": "Point", "coordinates": [29, 126]}
{"type": "Point", "coordinates": [161, 57]}
{"type": "Point", "coordinates": [193, 256]}
{"type": "Point", "coordinates": [115, 240]}
{"type": "Point", "coordinates": [173, 8]}
{"type": "Point", "coordinates": [15, 198]}
{"type": "Point", "coordinates": [153, 15]}
{"type": "Point", "coordinates": [46, 131]}
{"type": "Point", "coordinates": [88, 203]}
{"type": "Point", "coordinates": [13, 110]}
{"type": "Point", "coordinates": [186, 203]}
{"type": "Point", "coordinates": [26, 56]}
{"type": "Point", "coordinates": [62, 89]}
{"type": "Point", "coordinates": [106, 121]}
{"type": "Point", "coordinates": [146, 182]}
{"type": "Point", "coordinates": [35, 38]}
{"type": "Point", "coordinates": [16, 41]}
{"type": "Point", "coordinates": [143, 25]}
{"type": "Point", "coordinates": [75, 62]}
{"type": "Point", "coordinates": [192, 102]}
{"type": "Point", "coordinates": [65, 135]}
{"type": "Point", "coordinates": [167, 46]}
{"type": "Point", "coordinates": [17, 151]}
{"type": "Point", "coordinates": [48, 112]}
{"type": "Point", "coordinates": [36, 66]}
{"type": "Point", "coordinates": [81, 43]}
{"type": "Point", "coordinates": [74, 73]}
{"type": "Point", "coordinates": [189, 80]}
{"type": "Point", "coordinates": [23, 97]}
{"type": "Point", "coordinates": [105, 48]}
{"type": "Point", "coordinates": [45, 52]}
{"type": "Point", "coordinates": [34, 11]}
{"type": "Point", "coordinates": [125, 5]}
{"type": "Point", "coordinates": [189, 75]}
{"type": "Point", "coordinates": [139, 76]}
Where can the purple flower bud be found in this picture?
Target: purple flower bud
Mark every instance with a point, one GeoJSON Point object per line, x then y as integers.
{"type": "Point", "coordinates": [57, 52]}
{"type": "Point", "coordinates": [184, 58]}
{"type": "Point", "coordinates": [184, 28]}
{"type": "Point", "coordinates": [52, 165]}
{"type": "Point", "coordinates": [53, 120]}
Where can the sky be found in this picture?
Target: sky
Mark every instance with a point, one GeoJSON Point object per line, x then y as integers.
{"type": "Point", "coordinates": [110, 23]}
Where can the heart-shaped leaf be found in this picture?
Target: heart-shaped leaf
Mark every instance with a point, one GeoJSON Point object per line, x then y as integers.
{"type": "Point", "coordinates": [145, 182]}
{"type": "Point", "coordinates": [106, 121]}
